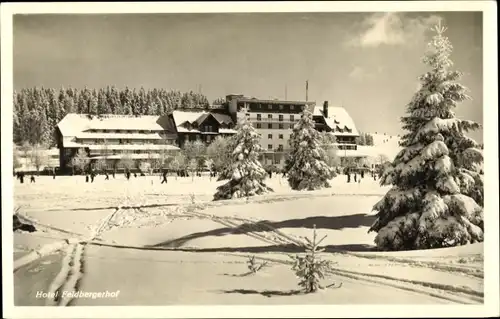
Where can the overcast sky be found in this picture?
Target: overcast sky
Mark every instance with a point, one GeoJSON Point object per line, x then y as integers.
{"type": "Point", "coordinates": [367, 63]}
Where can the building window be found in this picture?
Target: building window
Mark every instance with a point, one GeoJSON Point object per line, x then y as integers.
{"type": "Point", "coordinates": [277, 161]}
{"type": "Point", "coordinates": [292, 118]}
{"type": "Point", "coordinates": [292, 107]}
{"type": "Point", "coordinates": [281, 107]}
{"type": "Point", "coordinates": [208, 138]}
{"type": "Point", "coordinates": [270, 106]}
{"type": "Point", "coordinates": [281, 126]}
{"type": "Point", "coordinates": [259, 117]}
{"type": "Point", "coordinates": [280, 117]}
{"type": "Point", "coordinates": [270, 136]}
{"type": "Point", "coordinates": [269, 147]}
{"type": "Point", "coordinates": [269, 125]}
{"type": "Point", "coordinates": [258, 125]}
{"type": "Point", "coordinates": [269, 116]}
{"type": "Point", "coordinates": [280, 147]}
{"type": "Point", "coordinates": [280, 136]}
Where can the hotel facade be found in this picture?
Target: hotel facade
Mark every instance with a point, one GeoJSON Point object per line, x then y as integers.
{"type": "Point", "coordinates": [106, 139]}
{"type": "Point", "coordinates": [274, 121]}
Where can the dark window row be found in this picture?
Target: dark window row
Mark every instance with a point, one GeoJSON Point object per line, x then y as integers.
{"type": "Point", "coordinates": [269, 107]}
{"type": "Point", "coordinates": [271, 126]}
{"type": "Point", "coordinates": [270, 136]}
{"type": "Point", "coordinates": [280, 117]}
{"type": "Point", "coordinates": [279, 149]}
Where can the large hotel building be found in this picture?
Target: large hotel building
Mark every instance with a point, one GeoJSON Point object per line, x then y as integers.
{"type": "Point", "coordinates": [274, 120]}
{"type": "Point", "coordinates": [143, 137]}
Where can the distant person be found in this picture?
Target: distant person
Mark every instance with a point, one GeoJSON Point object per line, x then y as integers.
{"type": "Point", "coordinates": [92, 175]}
{"type": "Point", "coordinates": [86, 178]}
{"type": "Point", "coordinates": [355, 177]}
{"type": "Point", "coordinates": [107, 176]}
{"type": "Point", "coordinates": [135, 175]}
{"type": "Point", "coordinates": [21, 178]}
{"type": "Point", "coordinates": [53, 174]}
{"type": "Point", "coordinates": [284, 174]}
{"type": "Point", "coordinates": [362, 174]}
{"type": "Point", "coordinates": [114, 173]}
{"type": "Point", "coordinates": [164, 180]}
{"type": "Point", "coordinates": [127, 175]}
{"type": "Point", "coordinates": [32, 179]}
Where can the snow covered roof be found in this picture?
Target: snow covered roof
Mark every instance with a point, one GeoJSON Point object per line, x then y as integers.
{"type": "Point", "coordinates": [73, 124]}
{"type": "Point", "coordinates": [87, 135]}
{"type": "Point", "coordinates": [223, 118]}
{"type": "Point", "coordinates": [185, 130]}
{"type": "Point", "coordinates": [338, 118]}
{"type": "Point", "coordinates": [181, 117]}
{"type": "Point", "coordinates": [132, 156]}
{"type": "Point", "coordinates": [132, 147]}
{"type": "Point", "coordinates": [227, 131]}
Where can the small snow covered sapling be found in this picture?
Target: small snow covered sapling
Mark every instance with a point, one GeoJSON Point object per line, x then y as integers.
{"type": "Point", "coordinates": [192, 197]}
{"type": "Point", "coordinates": [310, 269]}
{"type": "Point", "coordinates": [254, 266]}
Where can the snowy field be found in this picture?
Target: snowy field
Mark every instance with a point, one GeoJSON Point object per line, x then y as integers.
{"type": "Point", "coordinates": [181, 248]}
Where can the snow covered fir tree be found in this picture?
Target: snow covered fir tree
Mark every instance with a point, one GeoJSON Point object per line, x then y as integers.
{"type": "Point", "coordinates": [306, 165]}
{"type": "Point", "coordinates": [248, 175]}
{"type": "Point", "coordinates": [437, 194]}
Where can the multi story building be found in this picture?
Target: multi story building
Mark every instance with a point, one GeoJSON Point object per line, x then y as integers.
{"type": "Point", "coordinates": [274, 120]}
{"type": "Point", "coordinates": [201, 125]}
{"type": "Point", "coordinates": [108, 138]}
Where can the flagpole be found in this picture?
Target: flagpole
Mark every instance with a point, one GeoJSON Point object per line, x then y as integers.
{"type": "Point", "coordinates": [307, 90]}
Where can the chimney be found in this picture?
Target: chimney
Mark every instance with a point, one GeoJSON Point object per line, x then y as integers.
{"type": "Point", "coordinates": [325, 109]}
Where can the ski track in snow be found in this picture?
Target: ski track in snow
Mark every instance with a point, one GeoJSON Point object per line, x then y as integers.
{"type": "Point", "coordinates": [131, 213]}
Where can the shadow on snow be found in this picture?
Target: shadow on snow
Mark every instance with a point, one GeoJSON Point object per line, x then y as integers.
{"type": "Point", "coordinates": [265, 293]}
{"type": "Point", "coordinates": [321, 222]}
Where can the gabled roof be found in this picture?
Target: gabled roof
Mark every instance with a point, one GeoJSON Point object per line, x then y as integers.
{"type": "Point", "coordinates": [222, 118]}
{"type": "Point", "coordinates": [181, 117]}
{"type": "Point", "coordinates": [338, 118]}
{"type": "Point", "coordinates": [73, 124]}
{"type": "Point", "coordinates": [198, 117]}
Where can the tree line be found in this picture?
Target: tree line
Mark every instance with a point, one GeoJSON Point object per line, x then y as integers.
{"type": "Point", "coordinates": [37, 110]}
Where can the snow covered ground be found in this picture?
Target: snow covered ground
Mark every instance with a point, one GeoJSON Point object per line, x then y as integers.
{"type": "Point", "coordinates": [170, 244]}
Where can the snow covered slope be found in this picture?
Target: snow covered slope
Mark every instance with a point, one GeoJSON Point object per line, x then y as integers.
{"type": "Point", "coordinates": [384, 144]}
